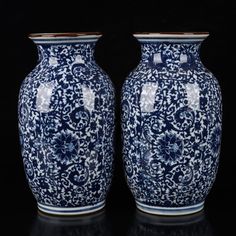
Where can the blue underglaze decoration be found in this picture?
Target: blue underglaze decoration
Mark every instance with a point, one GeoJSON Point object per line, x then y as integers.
{"type": "Point", "coordinates": [66, 124]}
{"type": "Point", "coordinates": [171, 121]}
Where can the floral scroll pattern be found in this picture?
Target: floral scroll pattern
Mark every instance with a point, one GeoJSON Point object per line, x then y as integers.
{"type": "Point", "coordinates": [171, 147]}
{"type": "Point", "coordinates": [66, 123]}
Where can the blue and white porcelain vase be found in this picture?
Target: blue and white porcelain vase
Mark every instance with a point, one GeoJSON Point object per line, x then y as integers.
{"type": "Point", "coordinates": [66, 123]}
{"type": "Point", "coordinates": [171, 120]}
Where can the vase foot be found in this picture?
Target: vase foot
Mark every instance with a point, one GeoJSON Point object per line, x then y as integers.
{"type": "Point", "coordinates": [170, 211]}
{"type": "Point", "coordinates": [70, 211]}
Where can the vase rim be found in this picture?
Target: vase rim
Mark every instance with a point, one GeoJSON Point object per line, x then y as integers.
{"type": "Point", "coordinates": [67, 37]}
{"type": "Point", "coordinates": [171, 36]}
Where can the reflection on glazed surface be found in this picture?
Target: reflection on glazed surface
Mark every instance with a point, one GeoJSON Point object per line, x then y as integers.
{"type": "Point", "coordinates": [193, 95]}
{"type": "Point", "coordinates": [44, 94]}
{"type": "Point", "coordinates": [147, 98]}
{"type": "Point", "coordinates": [91, 224]}
{"type": "Point", "coordinates": [88, 98]}
{"type": "Point", "coordinates": [150, 225]}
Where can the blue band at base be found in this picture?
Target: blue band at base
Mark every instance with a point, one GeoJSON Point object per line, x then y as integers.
{"type": "Point", "coordinates": [71, 210]}
{"type": "Point", "coordinates": [171, 211]}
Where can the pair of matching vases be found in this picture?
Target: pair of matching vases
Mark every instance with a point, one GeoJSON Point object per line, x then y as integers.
{"type": "Point", "coordinates": [171, 122]}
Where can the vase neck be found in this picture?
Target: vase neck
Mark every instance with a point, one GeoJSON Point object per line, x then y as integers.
{"type": "Point", "coordinates": [65, 47]}
{"type": "Point", "coordinates": [171, 51]}
{"type": "Point", "coordinates": [164, 52]}
{"type": "Point", "coordinates": [66, 53]}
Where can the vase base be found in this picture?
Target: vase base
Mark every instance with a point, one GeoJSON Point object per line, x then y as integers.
{"type": "Point", "coordinates": [70, 211]}
{"type": "Point", "coordinates": [170, 211]}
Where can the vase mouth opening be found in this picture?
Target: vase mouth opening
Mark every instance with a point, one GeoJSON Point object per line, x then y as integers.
{"type": "Point", "coordinates": [68, 37]}
{"type": "Point", "coordinates": [171, 36]}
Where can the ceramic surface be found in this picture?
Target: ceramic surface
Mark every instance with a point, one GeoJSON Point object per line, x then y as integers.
{"type": "Point", "coordinates": [171, 120]}
{"type": "Point", "coordinates": [66, 123]}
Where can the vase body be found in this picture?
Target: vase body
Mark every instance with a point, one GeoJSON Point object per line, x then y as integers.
{"type": "Point", "coordinates": [171, 121]}
{"type": "Point", "coordinates": [66, 123]}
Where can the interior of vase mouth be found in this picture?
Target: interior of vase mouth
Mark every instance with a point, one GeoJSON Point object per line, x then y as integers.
{"type": "Point", "coordinates": [64, 35]}
{"type": "Point", "coordinates": [171, 34]}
